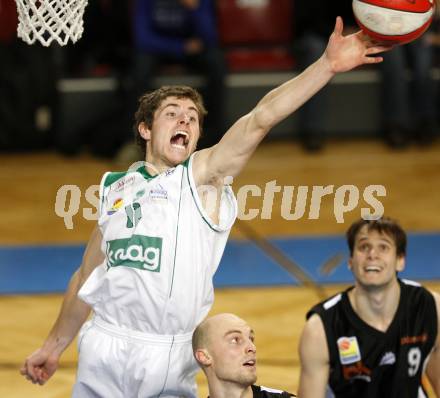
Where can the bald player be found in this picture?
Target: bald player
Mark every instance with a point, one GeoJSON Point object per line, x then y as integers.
{"type": "Point", "coordinates": [224, 347]}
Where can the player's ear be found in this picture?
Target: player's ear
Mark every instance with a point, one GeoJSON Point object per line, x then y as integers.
{"type": "Point", "coordinates": [144, 131]}
{"type": "Point", "coordinates": [350, 263]}
{"type": "Point", "coordinates": [202, 357]}
{"type": "Point", "coordinates": [400, 266]}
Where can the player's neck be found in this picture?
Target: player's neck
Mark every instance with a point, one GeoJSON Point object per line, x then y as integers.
{"type": "Point", "coordinates": [156, 166]}
{"type": "Point", "coordinates": [376, 307]}
{"type": "Point", "coordinates": [229, 390]}
{"type": "Point", "coordinates": [158, 161]}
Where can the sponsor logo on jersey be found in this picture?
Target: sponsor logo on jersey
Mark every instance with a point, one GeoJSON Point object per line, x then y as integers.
{"type": "Point", "coordinates": [389, 358]}
{"type": "Point", "coordinates": [158, 193]}
{"type": "Point", "coordinates": [414, 339]}
{"type": "Point", "coordinates": [141, 252]}
{"type": "Point", "coordinates": [356, 371]}
{"type": "Point", "coordinates": [117, 204]}
{"type": "Point", "coordinates": [348, 350]}
{"type": "Point", "coordinates": [170, 171]}
{"type": "Point", "coordinates": [125, 182]}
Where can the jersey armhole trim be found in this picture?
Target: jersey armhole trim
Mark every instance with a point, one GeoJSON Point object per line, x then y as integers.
{"type": "Point", "coordinates": [102, 185]}
{"type": "Point", "coordinates": [227, 192]}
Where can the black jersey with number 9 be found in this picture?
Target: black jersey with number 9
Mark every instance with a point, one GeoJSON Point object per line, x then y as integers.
{"type": "Point", "coordinates": [366, 362]}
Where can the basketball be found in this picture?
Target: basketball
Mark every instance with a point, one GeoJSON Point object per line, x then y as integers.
{"type": "Point", "coordinates": [394, 21]}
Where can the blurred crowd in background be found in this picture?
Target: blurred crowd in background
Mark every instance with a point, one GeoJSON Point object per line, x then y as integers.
{"type": "Point", "coordinates": [134, 41]}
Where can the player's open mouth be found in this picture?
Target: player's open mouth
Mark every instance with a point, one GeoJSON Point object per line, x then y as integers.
{"type": "Point", "coordinates": [373, 269]}
{"type": "Point", "coordinates": [180, 139]}
{"type": "Point", "coordinates": [250, 363]}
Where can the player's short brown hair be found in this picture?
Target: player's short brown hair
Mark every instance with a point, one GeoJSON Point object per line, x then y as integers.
{"type": "Point", "coordinates": [384, 225]}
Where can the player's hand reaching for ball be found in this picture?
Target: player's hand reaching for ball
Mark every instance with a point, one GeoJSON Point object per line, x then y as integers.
{"type": "Point", "coordinates": [347, 52]}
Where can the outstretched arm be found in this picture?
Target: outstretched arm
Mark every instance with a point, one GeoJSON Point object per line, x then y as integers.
{"type": "Point", "coordinates": [230, 155]}
{"type": "Point", "coordinates": [433, 367]}
{"type": "Point", "coordinates": [314, 358]}
{"type": "Point", "coordinates": [42, 364]}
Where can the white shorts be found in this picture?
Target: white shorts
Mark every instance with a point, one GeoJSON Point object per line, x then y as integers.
{"type": "Point", "coordinates": [120, 363]}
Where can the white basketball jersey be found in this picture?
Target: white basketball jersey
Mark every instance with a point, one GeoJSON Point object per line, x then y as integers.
{"type": "Point", "coordinates": [161, 251]}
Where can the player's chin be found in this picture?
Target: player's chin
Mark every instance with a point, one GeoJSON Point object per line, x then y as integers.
{"type": "Point", "coordinates": [373, 284]}
{"type": "Point", "coordinates": [252, 377]}
{"type": "Point", "coordinates": [250, 372]}
{"type": "Point", "coordinates": [178, 155]}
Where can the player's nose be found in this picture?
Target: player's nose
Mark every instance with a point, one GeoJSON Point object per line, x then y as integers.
{"type": "Point", "coordinates": [184, 119]}
{"type": "Point", "coordinates": [251, 347]}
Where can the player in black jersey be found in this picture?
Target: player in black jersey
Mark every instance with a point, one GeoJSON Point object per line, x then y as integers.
{"type": "Point", "coordinates": [379, 337]}
{"type": "Point", "coordinates": [224, 347]}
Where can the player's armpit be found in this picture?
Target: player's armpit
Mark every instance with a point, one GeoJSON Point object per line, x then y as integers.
{"type": "Point", "coordinates": [314, 359]}
{"type": "Point", "coordinates": [230, 155]}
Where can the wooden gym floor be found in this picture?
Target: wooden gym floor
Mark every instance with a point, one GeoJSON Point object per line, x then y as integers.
{"type": "Point", "coordinates": [30, 182]}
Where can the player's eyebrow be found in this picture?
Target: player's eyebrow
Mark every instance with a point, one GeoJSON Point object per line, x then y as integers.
{"type": "Point", "coordinates": [382, 238]}
{"type": "Point", "coordinates": [251, 332]}
{"type": "Point", "coordinates": [191, 108]}
{"type": "Point", "coordinates": [233, 331]}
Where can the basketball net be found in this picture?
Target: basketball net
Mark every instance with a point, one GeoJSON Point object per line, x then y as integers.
{"type": "Point", "coordinates": [48, 20]}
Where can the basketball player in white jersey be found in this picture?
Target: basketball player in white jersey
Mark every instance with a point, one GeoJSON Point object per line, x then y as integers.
{"type": "Point", "coordinates": [148, 267]}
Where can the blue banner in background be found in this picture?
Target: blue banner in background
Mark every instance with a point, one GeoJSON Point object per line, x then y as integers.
{"type": "Point", "coordinates": [47, 269]}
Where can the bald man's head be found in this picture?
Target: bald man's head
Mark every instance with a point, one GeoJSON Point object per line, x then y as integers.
{"type": "Point", "coordinates": [223, 345]}
{"type": "Point", "coordinates": [201, 336]}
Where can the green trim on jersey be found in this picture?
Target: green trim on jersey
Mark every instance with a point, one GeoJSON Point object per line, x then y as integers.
{"type": "Point", "coordinates": [195, 201]}
{"type": "Point", "coordinates": [143, 171]}
{"type": "Point", "coordinates": [177, 233]}
{"type": "Point", "coordinates": [186, 163]}
{"type": "Point", "coordinates": [117, 175]}
{"type": "Point", "coordinates": [113, 177]}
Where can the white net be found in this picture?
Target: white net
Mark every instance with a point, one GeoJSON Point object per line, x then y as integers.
{"type": "Point", "coordinates": [48, 20]}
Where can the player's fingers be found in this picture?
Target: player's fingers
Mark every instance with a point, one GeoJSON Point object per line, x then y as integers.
{"type": "Point", "coordinates": [378, 49]}
{"type": "Point", "coordinates": [372, 42]}
{"type": "Point", "coordinates": [373, 60]}
{"type": "Point", "coordinates": [29, 378]}
{"type": "Point", "coordinates": [24, 370]}
{"type": "Point", "coordinates": [42, 376]}
{"type": "Point", "coordinates": [339, 26]}
{"type": "Point", "coordinates": [361, 35]}
{"type": "Point", "coordinates": [381, 42]}
{"type": "Point", "coordinates": [30, 371]}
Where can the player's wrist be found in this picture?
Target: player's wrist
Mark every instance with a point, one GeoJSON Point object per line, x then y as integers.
{"type": "Point", "coordinates": [327, 67]}
{"type": "Point", "coordinates": [55, 346]}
